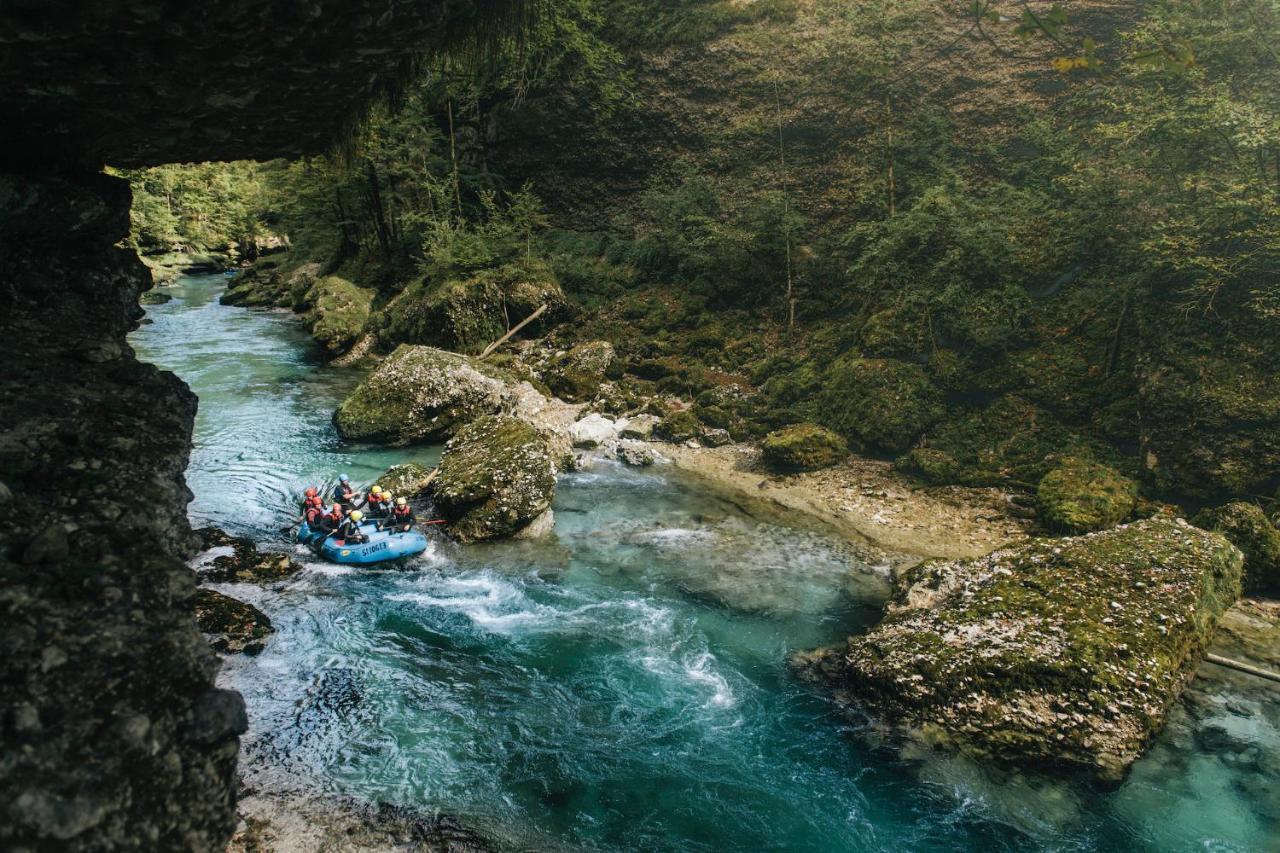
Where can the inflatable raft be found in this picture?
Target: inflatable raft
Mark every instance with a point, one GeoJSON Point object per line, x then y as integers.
{"type": "Point", "coordinates": [383, 545]}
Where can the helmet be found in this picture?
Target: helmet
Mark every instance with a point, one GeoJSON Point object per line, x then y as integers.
{"type": "Point", "coordinates": [401, 502]}
{"type": "Point", "coordinates": [343, 478]}
{"type": "Point", "coordinates": [310, 492]}
{"type": "Point", "coordinates": [356, 515]}
{"type": "Point", "coordinates": [314, 500]}
{"type": "Point", "coordinates": [377, 490]}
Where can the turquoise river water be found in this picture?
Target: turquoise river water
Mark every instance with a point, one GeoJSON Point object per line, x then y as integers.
{"type": "Point", "coordinates": [624, 686]}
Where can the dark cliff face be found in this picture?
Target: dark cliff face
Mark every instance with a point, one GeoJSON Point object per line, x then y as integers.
{"type": "Point", "coordinates": [112, 734]}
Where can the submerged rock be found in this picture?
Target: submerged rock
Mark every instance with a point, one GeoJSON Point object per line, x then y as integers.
{"type": "Point", "coordinates": [803, 447]}
{"type": "Point", "coordinates": [1080, 496]}
{"type": "Point", "coordinates": [1057, 653]}
{"type": "Point", "coordinates": [245, 563]}
{"type": "Point", "coordinates": [1249, 529]}
{"type": "Point", "coordinates": [496, 476]}
{"type": "Point", "coordinates": [407, 480]}
{"type": "Point", "coordinates": [420, 394]}
{"type": "Point", "coordinates": [231, 626]}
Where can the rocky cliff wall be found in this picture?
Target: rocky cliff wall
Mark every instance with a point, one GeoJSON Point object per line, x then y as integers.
{"type": "Point", "coordinates": [112, 735]}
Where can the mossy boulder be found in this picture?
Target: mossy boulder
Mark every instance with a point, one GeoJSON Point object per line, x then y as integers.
{"type": "Point", "coordinates": [1080, 495]}
{"type": "Point", "coordinates": [406, 480]}
{"type": "Point", "coordinates": [1249, 529]}
{"type": "Point", "coordinates": [1060, 653]}
{"type": "Point", "coordinates": [931, 465]}
{"type": "Point", "coordinates": [244, 564]}
{"type": "Point", "coordinates": [338, 313]}
{"type": "Point", "coordinates": [420, 394]}
{"type": "Point", "coordinates": [231, 626]}
{"type": "Point", "coordinates": [468, 314]}
{"type": "Point", "coordinates": [803, 447]}
{"type": "Point", "coordinates": [677, 427]}
{"type": "Point", "coordinates": [577, 375]}
{"type": "Point", "coordinates": [496, 476]}
{"type": "Point", "coordinates": [263, 285]}
{"type": "Point", "coordinates": [878, 401]}
{"type": "Point", "coordinates": [155, 297]}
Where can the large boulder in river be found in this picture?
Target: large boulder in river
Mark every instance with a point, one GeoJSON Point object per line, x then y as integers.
{"type": "Point", "coordinates": [496, 477]}
{"type": "Point", "coordinates": [1059, 653]}
{"type": "Point", "coordinates": [1249, 529]}
{"type": "Point", "coordinates": [231, 626]}
{"type": "Point", "coordinates": [420, 394]}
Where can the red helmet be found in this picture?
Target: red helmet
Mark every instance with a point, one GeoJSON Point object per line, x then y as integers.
{"type": "Point", "coordinates": [314, 500]}
{"type": "Point", "coordinates": [310, 492]}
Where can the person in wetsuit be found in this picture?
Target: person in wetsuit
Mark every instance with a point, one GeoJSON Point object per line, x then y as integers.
{"type": "Point", "coordinates": [378, 506]}
{"type": "Point", "coordinates": [345, 494]}
{"type": "Point", "coordinates": [306, 498]}
{"type": "Point", "coordinates": [332, 520]}
{"type": "Point", "coordinates": [314, 513]}
{"type": "Point", "coordinates": [402, 518]}
{"type": "Point", "coordinates": [349, 530]}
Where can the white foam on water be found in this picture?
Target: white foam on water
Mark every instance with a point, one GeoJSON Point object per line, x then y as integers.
{"type": "Point", "coordinates": [205, 558]}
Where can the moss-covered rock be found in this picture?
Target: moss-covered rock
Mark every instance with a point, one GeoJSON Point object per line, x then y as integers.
{"type": "Point", "coordinates": [244, 564]}
{"type": "Point", "coordinates": [1060, 653]}
{"type": "Point", "coordinates": [496, 476]}
{"type": "Point", "coordinates": [1249, 529]}
{"type": "Point", "coordinates": [338, 313]}
{"type": "Point", "coordinates": [155, 297]}
{"type": "Point", "coordinates": [931, 465]}
{"type": "Point", "coordinates": [231, 626]}
{"type": "Point", "coordinates": [467, 315]}
{"type": "Point", "coordinates": [677, 427]}
{"type": "Point", "coordinates": [263, 285]}
{"type": "Point", "coordinates": [803, 447]}
{"type": "Point", "coordinates": [879, 402]}
{"type": "Point", "coordinates": [577, 375]}
{"type": "Point", "coordinates": [1079, 496]}
{"type": "Point", "coordinates": [420, 394]}
{"type": "Point", "coordinates": [406, 480]}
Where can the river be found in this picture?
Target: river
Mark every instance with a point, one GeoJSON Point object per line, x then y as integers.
{"type": "Point", "coordinates": [623, 686]}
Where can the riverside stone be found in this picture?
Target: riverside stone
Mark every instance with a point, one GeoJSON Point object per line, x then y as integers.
{"type": "Point", "coordinates": [232, 626]}
{"type": "Point", "coordinates": [496, 476]}
{"type": "Point", "coordinates": [421, 394]}
{"type": "Point", "coordinates": [1060, 653]}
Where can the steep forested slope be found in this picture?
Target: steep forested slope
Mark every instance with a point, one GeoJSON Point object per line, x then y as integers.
{"type": "Point", "coordinates": [972, 237]}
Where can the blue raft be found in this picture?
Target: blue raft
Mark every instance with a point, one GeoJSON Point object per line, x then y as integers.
{"type": "Point", "coordinates": [383, 545]}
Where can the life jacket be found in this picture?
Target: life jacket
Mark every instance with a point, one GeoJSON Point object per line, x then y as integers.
{"type": "Point", "coordinates": [402, 512]}
{"type": "Point", "coordinates": [344, 492]}
{"type": "Point", "coordinates": [376, 502]}
{"type": "Point", "coordinates": [313, 515]}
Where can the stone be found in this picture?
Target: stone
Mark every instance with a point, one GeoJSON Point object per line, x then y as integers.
{"type": "Point", "coordinates": [985, 655]}
{"type": "Point", "coordinates": [593, 431]}
{"type": "Point", "coordinates": [337, 312]}
{"type": "Point", "coordinates": [1249, 529]}
{"type": "Point", "coordinates": [155, 297]}
{"type": "Point", "coordinates": [636, 454]}
{"type": "Point", "coordinates": [407, 480]}
{"type": "Point", "coordinates": [1080, 495]}
{"type": "Point", "coordinates": [577, 375]}
{"type": "Point", "coordinates": [245, 563]}
{"type": "Point", "coordinates": [47, 546]}
{"type": "Point", "coordinates": [231, 626]}
{"type": "Point", "coordinates": [715, 437]}
{"type": "Point", "coordinates": [639, 426]}
{"type": "Point", "coordinates": [803, 447]}
{"type": "Point", "coordinates": [496, 476]}
{"type": "Point", "coordinates": [677, 427]}
{"type": "Point", "coordinates": [420, 394]}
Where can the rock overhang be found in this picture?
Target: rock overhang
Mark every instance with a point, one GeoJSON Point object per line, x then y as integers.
{"type": "Point", "coordinates": [142, 82]}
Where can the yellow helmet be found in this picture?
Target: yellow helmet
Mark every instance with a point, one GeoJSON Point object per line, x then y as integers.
{"type": "Point", "coordinates": [400, 501]}
{"type": "Point", "coordinates": [356, 515]}
{"type": "Point", "coordinates": [377, 490]}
